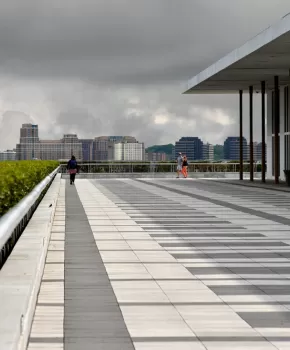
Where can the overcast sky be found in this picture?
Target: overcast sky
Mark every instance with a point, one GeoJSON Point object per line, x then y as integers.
{"type": "Point", "coordinates": [119, 67]}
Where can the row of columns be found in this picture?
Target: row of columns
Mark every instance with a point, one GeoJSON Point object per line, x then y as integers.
{"type": "Point", "coordinates": [276, 111]}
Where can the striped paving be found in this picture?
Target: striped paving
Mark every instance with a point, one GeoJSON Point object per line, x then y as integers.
{"type": "Point", "coordinates": [183, 264]}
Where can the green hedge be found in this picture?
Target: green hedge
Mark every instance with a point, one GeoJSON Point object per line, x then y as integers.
{"type": "Point", "coordinates": [18, 178]}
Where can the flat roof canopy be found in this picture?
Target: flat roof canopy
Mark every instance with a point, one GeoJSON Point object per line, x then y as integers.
{"type": "Point", "coordinates": [261, 58]}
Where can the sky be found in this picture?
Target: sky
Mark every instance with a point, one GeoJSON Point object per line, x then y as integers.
{"type": "Point", "coordinates": [119, 67]}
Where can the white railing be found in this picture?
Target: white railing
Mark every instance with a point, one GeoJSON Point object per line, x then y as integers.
{"type": "Point", "coordinates": [14, 221]}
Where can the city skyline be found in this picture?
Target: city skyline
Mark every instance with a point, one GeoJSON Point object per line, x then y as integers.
{"type": "Point", "coordinates": [119, 148]}
{"type": "Point", "coordinates": [100, 136]}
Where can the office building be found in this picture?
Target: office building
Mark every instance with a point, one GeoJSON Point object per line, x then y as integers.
{"type": "Point", "coordinates": [8, 155]}
{"type": "Point", "coordinates": [232, 148]}
{"type": "Point", "coordinates": [87, 149]}
{"type": "Point", "coordinates": [156, 157]}
{"type": "Point", "coordinates": [100, 148]}
{"type": "Point", "coordinates": [257, 150]}
{"type": "Point", "coordinates": [191, 146]}
{"type": "Point", "coordinates": [31, 147]}
{"type": "Point", "coordinates": [103, 146]}
{"type": "Point", "coordinates": [126, 151]}
{"type": "Point", "coordinates": [208, 152]}
{"type": "Point", "coordinates": [173, 153]}
{"type": "Point", "coordinates": [28, 140]}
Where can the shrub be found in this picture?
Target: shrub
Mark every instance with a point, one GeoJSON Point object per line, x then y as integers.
{"type": "Point", "coordinates": [18, 178]}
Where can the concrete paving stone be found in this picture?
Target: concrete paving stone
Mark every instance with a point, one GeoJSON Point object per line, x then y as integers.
{"type": "Point", "coordinates": [209, 271]}
{"type": "Point", "coordinates": [167, 345]}
{"type": "Point", "coordinates": [267, 320]}
{"type": "Point", "coordinates": [176, 271]}
{"type": "Point", "coordinates": [238, 345]}
{"type": "Point", "coordinates": [99, 344]}
{"type": "Point", "coordinates": [237, 290]}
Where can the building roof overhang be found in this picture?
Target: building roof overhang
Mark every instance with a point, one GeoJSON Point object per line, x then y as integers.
{"type": "Point", "coordinates": [259, 59]}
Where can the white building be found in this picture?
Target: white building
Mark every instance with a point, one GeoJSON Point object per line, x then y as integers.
{"type": "Point", "coordinates": [127, 152]}
{"type": "Point", "coordinates": [7, 155]}
{"type": "Point", "coordinates": [208, 152]}
{"type": "Point", "coordinates": [260, 66]}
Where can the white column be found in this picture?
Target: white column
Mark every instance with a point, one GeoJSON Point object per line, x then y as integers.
{"type": "Point", "coordinates": [282, 134]}
{"type": "Point", "coordinates": [269, 174]}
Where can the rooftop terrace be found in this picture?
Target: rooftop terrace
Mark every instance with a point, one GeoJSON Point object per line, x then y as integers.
{"type": "Point", "coordinates": [151, 264]}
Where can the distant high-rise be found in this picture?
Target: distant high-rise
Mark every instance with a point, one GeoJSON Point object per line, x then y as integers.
{"type": "Point", "coordinates": [31, 147]}
{"type": "Point", "coordinates": [156, 156]}
{"type": "Point", "coordinates": [126, 151]}
{"type": "Point", "coordinates": [232, 148]}
{"type": "Point", "coordinates": [87, 149]}
{"type": "Point", "coordinates": [191, 146]}
{"type": "Point", "coordinates": [103, 146]}
{"type": "Point", "coordinates": [28, 140]}
{"type": "Point", "coordinates": [257, 148]}
{"type": "Point", "coordinates": [208, 152]}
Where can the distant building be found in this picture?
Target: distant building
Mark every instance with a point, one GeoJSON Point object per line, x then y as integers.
{"type": "Point", "coordinates": [173, 153]}
{"type": "Point", "coordinates": [126, 151]}
{"type": "Point", "coordinates": [103, 146]}
{"type": "Point", "coordinates": [28, 141]}
{"type": "Point", "coordinates": [60, 149]}
{"type": "Point", "coordinates": [208, 152]}
{"type": "Point", "coordinates": [31, 147]}
{"type": "Point", "coordinates": [258, 151]}
{"type": "Point", "coordinates": [87, 149]}
{"type": "Point", "coordinates": [191, 146]}
{"type": "Point", "coordinates": [156, 156]}
{"type": "Point", "coordinates": [8, 155]}
{"type": "Point", "coordinates": [232, 148]}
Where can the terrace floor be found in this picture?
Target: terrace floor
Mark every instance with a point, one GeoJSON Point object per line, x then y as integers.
{"type": "Point", "coordinates": [166, 265]}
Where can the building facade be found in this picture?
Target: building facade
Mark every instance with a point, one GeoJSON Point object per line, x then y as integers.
{"type": "Point", "coordinates": [7, 155]}
{"type": "Point", "coordinates": [31, 147]}
{"type": "Point", "coordinates": [232, 148]}
{"type": "Point", "coordinates": [257, 151]}
{"type": "Point", "coordinates": [103, 146]}
{"type": "Point", "coordinates": [127, 152]}
{"type": "Point", "coordinates": [191, 146]}
{"type": "Point", "coordinates": [28, 147]}
{"type": "Point", "coordinates": [87, 149]}
{"type": "Point", "coordinates": [156, 157]}
{"type": "Point", "coordinates": [208, 152]}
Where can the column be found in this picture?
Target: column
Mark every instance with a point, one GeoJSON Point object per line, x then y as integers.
{"type": "Point", "coordinates": [282, 133]}
{"type": "Point", "coordinates": [241, 136]}
{"type": "Point", "coordinates": [276, 128]}
{"type": "Point", "coordinates": [270, 131]}
{"type": "Point", "coordinates": [263, 89]}
{"type": "Point", "coordinates": [251, 134]}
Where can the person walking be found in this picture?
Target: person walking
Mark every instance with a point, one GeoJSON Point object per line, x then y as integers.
{"type": "Point", "coordinates": [179, 164]}
{"type": "Point", "coordinates": [184, 166]}
{"type": "Point", "coordinates": [72, 167]}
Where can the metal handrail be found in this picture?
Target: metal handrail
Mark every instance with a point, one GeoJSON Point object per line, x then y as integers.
{"type": "Point", "coordinates": [10, 220]}
{"type": "Point", "coordinates": [131, 167]}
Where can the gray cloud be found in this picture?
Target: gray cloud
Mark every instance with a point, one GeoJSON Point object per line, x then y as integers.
{"type": "Point", "coordinates": [118, 67]}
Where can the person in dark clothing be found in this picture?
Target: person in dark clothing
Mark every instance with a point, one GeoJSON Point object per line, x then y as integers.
{"type": "Point", "coordinates": [72, 167]}
{"type": "Point", "coordinates": [184, 166]}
